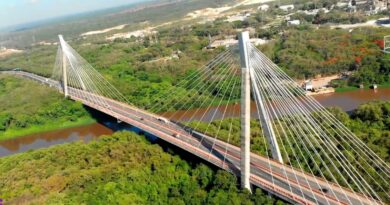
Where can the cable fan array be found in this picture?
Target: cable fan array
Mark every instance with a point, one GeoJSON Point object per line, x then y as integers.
{"type": "Point", "coordinates": [83, 81]}
{"type": "Point", "coordinates": [195, 97]}
{"type": "Point", "coordinates": [310, 138]}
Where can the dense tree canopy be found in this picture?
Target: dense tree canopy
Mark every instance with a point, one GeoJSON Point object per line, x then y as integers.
{"type": "Point", "coordinates": [28, 107]}
{"type": "Point", "coordinates": [120, 169]}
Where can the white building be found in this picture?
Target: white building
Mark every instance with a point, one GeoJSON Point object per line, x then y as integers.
{"type": "Point", "coordinates": [341, 4]}
{"type": "Point", "coordinates": [315, 11]}
{"type": "Point", "coordinates": [308, 85]}
{"type": "Point", "coordinates": [287, 7]}
{"type": "Point", "coordinates": [293, 22]}
{"type": "Point", "coordinates": [263, 7]}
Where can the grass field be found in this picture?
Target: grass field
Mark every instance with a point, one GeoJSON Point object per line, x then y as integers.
{"type": "Point", "coordinates": [352, 88]}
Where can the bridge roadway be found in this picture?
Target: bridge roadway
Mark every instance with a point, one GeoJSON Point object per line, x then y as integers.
{"type": "Point", "coordinates": [281, 180]}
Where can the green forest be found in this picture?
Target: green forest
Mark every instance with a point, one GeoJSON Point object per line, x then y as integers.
{"type": "Point", "coordinates": [311, 52]}
{"type": "Point", "coordinates": [139, 69]}
{"type": "Point", "coordinates": [120, 169]}
{"type": "Point", "coordinates": [35, 108]}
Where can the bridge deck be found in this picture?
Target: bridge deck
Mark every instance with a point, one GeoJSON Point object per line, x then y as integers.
{"type": "Point", "coordinates": [282, 180]}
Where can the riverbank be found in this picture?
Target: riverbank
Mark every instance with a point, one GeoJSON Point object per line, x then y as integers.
{"type": "Point", "coordinates": [35, 129]}
{"type": "Point", "coordinates": [353, 88]}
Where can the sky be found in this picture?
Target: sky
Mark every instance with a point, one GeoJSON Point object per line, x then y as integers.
{"type": "Point", "coordinates": [14, 12]}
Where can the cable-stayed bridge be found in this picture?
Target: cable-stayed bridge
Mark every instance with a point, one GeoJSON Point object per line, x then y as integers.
{"type": "Point", "coordinates": [307, 155]}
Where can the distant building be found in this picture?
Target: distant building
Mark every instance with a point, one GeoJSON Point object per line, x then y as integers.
{"type": "Point", "coordinates": [380, 5]}
{"type": "Point", "coordinates": [287, 7]}
{"type": "Point", "coordinates": [341, 4]}
{"type": "Point", "coordinates": [293, 22]}
{"type": "Point", "coordinates": [308, 85]}
{"type": "Point", "coordinates": [315, 11]}
{"type": "Point", "coordinates": [263, 7]}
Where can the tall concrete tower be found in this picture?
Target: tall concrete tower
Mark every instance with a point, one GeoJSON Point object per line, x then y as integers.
{"type": "Point", "coordinates": [245, 110]}
{"type": "Point", "coordinates": [248, 77]}
{"type": "Point", "coordinates": [64, 72]}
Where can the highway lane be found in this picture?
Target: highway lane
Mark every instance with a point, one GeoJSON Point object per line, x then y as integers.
{"type": "Point", "coordinates": [286, 182]}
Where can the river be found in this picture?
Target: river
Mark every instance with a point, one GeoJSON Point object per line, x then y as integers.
{"type": "Point", "coordinates": [347, 101]}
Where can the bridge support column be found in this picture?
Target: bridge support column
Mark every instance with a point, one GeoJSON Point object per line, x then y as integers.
{"type": "Point", "coordinates": [265, 119]}
{"type": "Point", "coordinates": [245, 111]}
{"type": "Point", "coordinates": [64, 71]}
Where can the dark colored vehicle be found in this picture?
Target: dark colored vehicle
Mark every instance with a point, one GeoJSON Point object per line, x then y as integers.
{"type": "Point", "coordinates": [325, 190]}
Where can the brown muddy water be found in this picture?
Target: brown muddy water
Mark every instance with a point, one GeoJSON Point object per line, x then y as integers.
{"type": "Point", "coordinates": [347, 101]}
{"type": "Point", "coordinates": [35, 141]}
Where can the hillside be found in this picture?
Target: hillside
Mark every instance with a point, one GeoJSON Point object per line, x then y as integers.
{"type": "Point", "coordinates": [153, 12]}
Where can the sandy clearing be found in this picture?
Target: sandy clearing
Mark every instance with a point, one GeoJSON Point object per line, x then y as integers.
{"type": "Point", "coordinates": [348, 26]}
{"type": "Point", "coordinates": [8, 52]}
{"type": "Point", "coordinates": [104, 30]}
{"type": "Point", "coordinates": [321, 81]}
{"type": "Point", "coordinates": [324, 81]}
{"type": "Point", "coordinates": [216, 12]}
{"type": "Point", "coordinates": [138, 33]}
{"type": "Point", "coordinates": [206, 14]}
{"type": "Point", "coordinates": [250, 2]}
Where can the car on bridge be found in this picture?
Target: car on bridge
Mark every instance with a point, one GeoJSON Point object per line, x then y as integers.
{"type": "Point", "coordinates": [176, 135]}
{"type": "Point", "coordinates": [325, 190]}
{"type": "Point", "coordinates": [164, 120]}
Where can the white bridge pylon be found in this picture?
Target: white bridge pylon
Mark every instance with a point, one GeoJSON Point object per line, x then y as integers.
{"type": "Point", "coordinates": [247, 76]}
{"type": "Point", "coordinates": [296, 135]}
{"type": "Point", "coordinates": [299, 128]}
{"type": "Point", "coordinates": [79, 78]}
